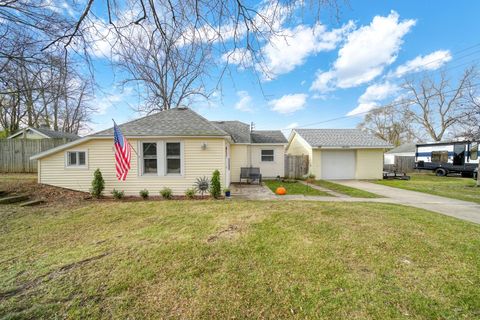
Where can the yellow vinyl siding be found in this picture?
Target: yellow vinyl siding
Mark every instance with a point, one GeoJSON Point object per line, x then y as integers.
{"type": "Point", "coordinates": [197, 163]}
{"type": "Point", "coordinates": [239, 157]}
{"type": "Point", "coordinates": [243, 155]}
{"type": "Point", "coordinates": [369, 164]}
{"type": "Point", "coordinates": [298, 146]}
{"type": "Point", "coordinates": [315, 163]}
{"type": "Point", "coordinates": [269, 169]}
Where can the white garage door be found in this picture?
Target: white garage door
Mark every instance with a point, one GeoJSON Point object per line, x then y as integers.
{"type": "Point", "coordinates": [338, 164]}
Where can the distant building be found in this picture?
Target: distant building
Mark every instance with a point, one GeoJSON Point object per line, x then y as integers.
{"type": "Point", "coordinates": [42, 133]}
{"type": "Point", "coordinates": [405, 150]}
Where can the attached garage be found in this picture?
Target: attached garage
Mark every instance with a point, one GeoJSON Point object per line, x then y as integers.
{"type": "Point", "coordinates": [338, 164]}
{"type": "Point", "coordinates": [339, 154]}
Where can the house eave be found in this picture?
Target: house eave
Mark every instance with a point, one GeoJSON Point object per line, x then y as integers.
{"type": "Point", "coordinates": [103, 137]}
{"type": "Point", "coordinates": [24, 130]}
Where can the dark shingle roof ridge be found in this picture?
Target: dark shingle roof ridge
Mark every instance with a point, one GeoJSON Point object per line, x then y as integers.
{"type": "Point", "coordinates": [160, 113]}
{"type": "Point", "coordinates": [54, 133]}
{"type": "Point", "coordinates": [203, 118]}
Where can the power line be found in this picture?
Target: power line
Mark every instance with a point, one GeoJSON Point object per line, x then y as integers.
{"type": "Point", "coordinates": [399, 103]}
{"type": "Point", "coordinates": [412, 101]}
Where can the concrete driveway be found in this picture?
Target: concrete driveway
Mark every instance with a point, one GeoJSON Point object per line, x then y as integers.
{"type": "Point", "coordinates": [464, 210]}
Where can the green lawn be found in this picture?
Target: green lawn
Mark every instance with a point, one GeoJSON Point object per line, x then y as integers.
{"type": "Point", "coordinates": [237, 259]}
{"type": "Point", "coordinates": [295, 188]}
{"type": "Point", "coordinates": [451, 187]}
{"type": "Point", "coordinates": [349, 191]}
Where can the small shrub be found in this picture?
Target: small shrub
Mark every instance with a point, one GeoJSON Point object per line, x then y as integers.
{"type": "Point", "coordinates": [310, 178]}
{"type": "Point", "coordinates": [117, 194]}
{"type": "Point", "coordinates": [166, 193]}
{"type": "Point", "coordinates": [144, 193]}
{"type": "Point", "coordinates": [215, 187]}
{"type": "Point", "coordinates": [202, 185]}
{"type": "Point", "coordinates": [190, 193]}
{"type": "Point", "coordinates": [98, 184]}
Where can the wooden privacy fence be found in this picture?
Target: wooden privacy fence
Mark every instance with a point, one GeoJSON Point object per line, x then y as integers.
{"type": "Point", "coordinates": [401, 164]}
{"type": "Point", "coordinates": [15, 153]}
{"type": "Point", "coordinates": [296, 166]}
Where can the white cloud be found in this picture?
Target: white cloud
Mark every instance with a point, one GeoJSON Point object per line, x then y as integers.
{"type": "Point", "coordinates": [108, 100]}
{"type": "Point", "coordinates": [372, 96]}
{"type": "Point", "coordinates": [245, 102]}
{"type": "Point", "coordinates": [284, 52]}
{"type": "Point", "coordinates": [365, 54]}
{"type": "Point", "coordinates": [321, 97]}
{"type": "Point", "coordinates": [289, 103]}
{"type": "Point", "coordinates": [292, 125]}
{"type": "Point", "coordinates": [431, 61]}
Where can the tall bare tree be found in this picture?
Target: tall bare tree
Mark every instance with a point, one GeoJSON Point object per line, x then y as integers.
{"type": "Point", "coordinates": [170, 69]}
{"type": "Point", "coordinates": [390, 125]}
{"type": "Point", "coordinates": [438, 105]}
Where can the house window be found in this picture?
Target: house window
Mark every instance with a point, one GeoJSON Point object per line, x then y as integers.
{"type": "Point", "coordinates": [440, 156]}
{"type": "Point", "coordinates": [173, 158]}
{"type": "Point", "coordinates": [474, 151]}
{"type": "Point", "coordinates": [76, 158]}
{"type": "Point", "coordinates": [149, 150]}
{"type": "Point", "coordinates": [267, 155]}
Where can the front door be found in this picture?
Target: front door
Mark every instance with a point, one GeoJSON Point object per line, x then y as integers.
{"type": "Point", "coordinates": [459, 154]}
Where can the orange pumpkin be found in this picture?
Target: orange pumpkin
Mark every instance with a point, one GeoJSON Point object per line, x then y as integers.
{"type": "Point", "coordinates": [281, 191]}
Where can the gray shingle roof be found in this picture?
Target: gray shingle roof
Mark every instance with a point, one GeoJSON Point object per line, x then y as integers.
{"type": "Point", "coordinates": [406, 147]}
{"type": "Point", "coordinates": [173, 122]}
{"type": "Point", "coordinates": [239, 131]}
{"type": "Point", "coordinates": [268, 136]}
{"type": "Point", "coordinates": [341, 138]}
{"type": "Point", "coordinates": [58, 134]}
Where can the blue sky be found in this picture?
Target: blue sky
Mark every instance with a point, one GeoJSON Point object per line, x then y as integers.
{"type": "Point", "coordinates": [331, 70]}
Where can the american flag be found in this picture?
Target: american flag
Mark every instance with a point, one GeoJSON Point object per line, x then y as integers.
{"type": "Point", "coordinates": [123, 153]}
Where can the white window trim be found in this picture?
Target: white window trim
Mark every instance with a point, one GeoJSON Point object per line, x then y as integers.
{"type": "Point", "coordinates": [161, 159]}
{"type": "Point", "coordinates": [77, 166]}
{"type": "Point", "coordinates": [266, 161]}
{"type": "Point", "coordinates": [140, 159]}
{"type": "Point", "coordinates": [182, 159]}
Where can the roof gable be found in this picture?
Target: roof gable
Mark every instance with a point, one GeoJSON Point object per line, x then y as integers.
{"type": "Point", "coordinates": [338, 138]}
{"type": "Point", "coordinates": [47, 133]}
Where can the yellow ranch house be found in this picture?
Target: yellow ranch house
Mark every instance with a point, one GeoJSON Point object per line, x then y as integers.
{"type": "Point", "coordinates": [172, 148]}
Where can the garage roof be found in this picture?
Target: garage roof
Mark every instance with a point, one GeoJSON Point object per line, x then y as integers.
{"type": "Point", "coordinates": [340, 138]}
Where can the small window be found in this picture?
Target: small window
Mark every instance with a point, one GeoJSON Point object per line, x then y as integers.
{"type": "Point", "coordinates": [76, 158]}
{"type": "Point", "coordinates": [474, 151]}
{"type": "Point", "coordinates": [440, 156]}
{"type": "Point", "coordinates": [149, 157]}
{"type": "Point", "coordinates": [267, 155]}
{"type": "Point", "coordinates": [173, 155]}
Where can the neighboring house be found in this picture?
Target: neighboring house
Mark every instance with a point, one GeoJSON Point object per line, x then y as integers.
{"type": "Point", "coordinates": [339, 153]}
{"type": "Point", "coordinates": [42, 133]}
{"type": "Point", "coordinates": [404, 150]}
{"type": "Point", "coordinates": [172, 149]}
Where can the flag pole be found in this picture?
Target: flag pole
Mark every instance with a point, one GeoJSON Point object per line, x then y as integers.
{"type": "Point", "coordinates": [115, 124]}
